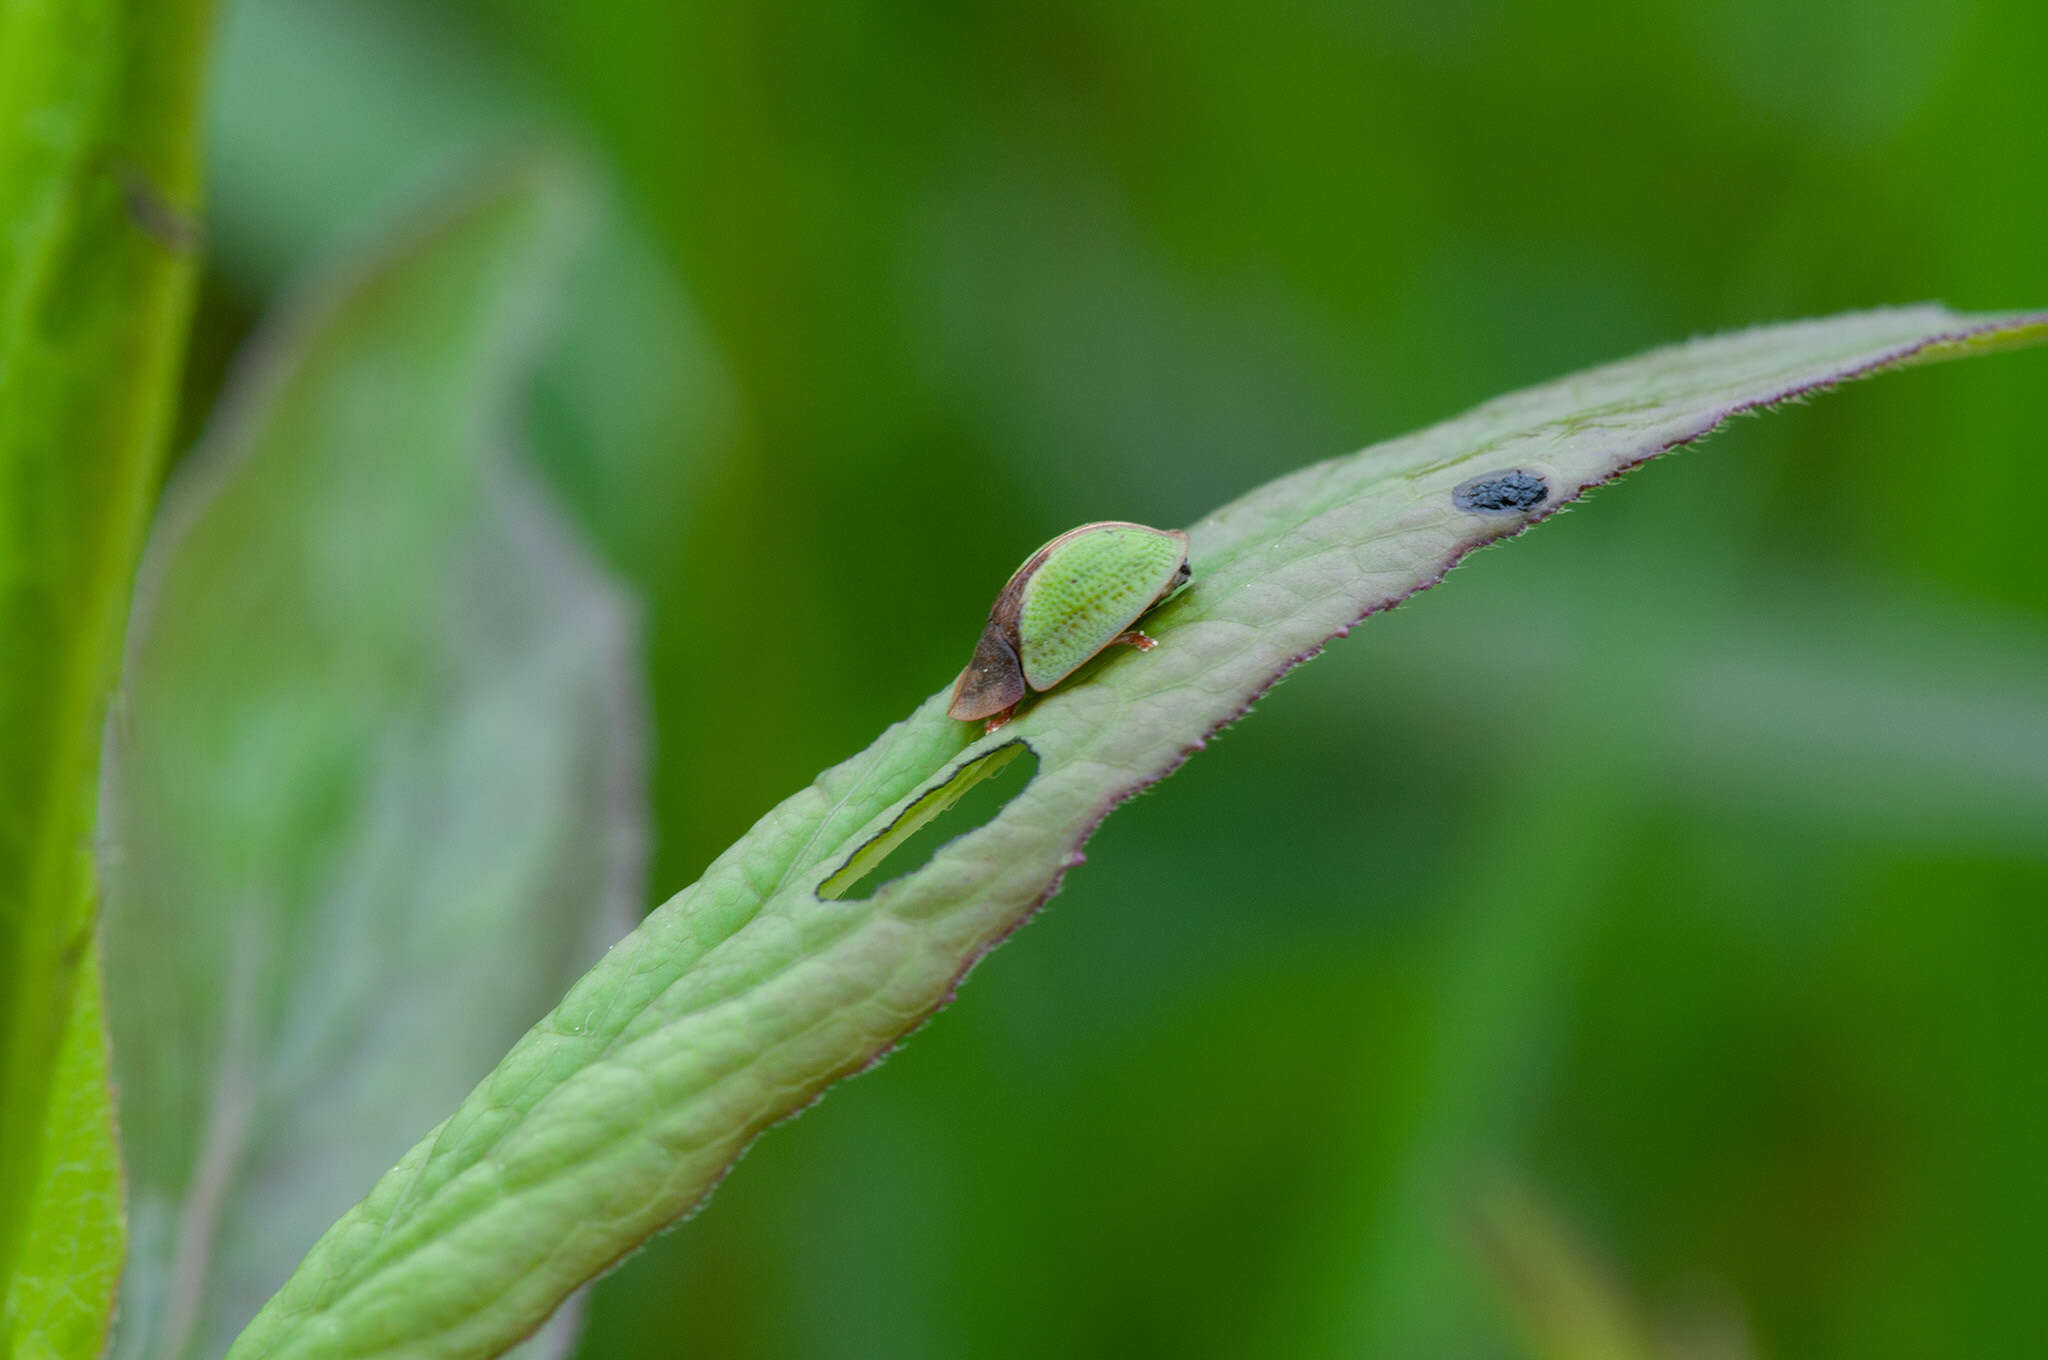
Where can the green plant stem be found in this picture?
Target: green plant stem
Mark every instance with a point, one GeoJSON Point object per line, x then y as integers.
{"type": "Point", "coordinates": [99, 177]}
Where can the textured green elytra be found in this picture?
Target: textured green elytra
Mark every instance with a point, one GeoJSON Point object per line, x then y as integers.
{"type": "Point", "coordinates": [1073, 597]}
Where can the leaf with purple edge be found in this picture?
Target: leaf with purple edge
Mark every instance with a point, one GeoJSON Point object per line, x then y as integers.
{"type": "Point", "coordinates": [736, 1003]}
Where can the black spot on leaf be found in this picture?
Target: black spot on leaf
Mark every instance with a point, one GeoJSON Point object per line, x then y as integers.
{"type": "Point", "coordinates": [1500, 493]}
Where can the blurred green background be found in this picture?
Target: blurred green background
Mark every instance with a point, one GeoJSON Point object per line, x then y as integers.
{"type": "Point", "coordinates": [1683, 865]}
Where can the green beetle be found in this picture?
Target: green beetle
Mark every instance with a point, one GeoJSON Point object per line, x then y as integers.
{"type": "Point", "coordinates": [1073, 597]}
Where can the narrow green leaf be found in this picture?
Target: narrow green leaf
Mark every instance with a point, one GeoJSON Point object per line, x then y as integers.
{"type": "Point", "coordinates": [98, 182]}
{"type": "Point", "coordinates": [372, 796]}
{"type": "Point", "coordinates": [62, 1291]}
{"type": "Point", "coordinates": [747, 994]}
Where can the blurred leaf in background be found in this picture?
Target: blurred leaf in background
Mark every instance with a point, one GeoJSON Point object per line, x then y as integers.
{"type": "Point", "coordinates": [1688, 857]}
{"type": "Point", "coordinates": [327, 114]}
{"type": "Point", "coordinates": [99, 184]}
{"type": "Point", "coordinates": [374, 790]}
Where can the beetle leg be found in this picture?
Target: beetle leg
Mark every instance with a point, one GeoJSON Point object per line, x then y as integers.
{"type": "Point", "coordinates": [999, 719]}
{"type": "Point", "coordinates": [1135, 638]}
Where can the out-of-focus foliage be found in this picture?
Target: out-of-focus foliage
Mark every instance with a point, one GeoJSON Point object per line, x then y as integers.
{"type": "Point", "coordinates": [98, 181]}
{"type": "Point", "coordinates": [1569, 1307]}
{"type": "Point", "coordinates": [373, 795]}
{"type": "Point", "coordinates": [1768, 1038]}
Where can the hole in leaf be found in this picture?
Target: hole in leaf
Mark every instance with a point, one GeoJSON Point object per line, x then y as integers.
{"type": "Point", "coordinates": [967, 802]}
